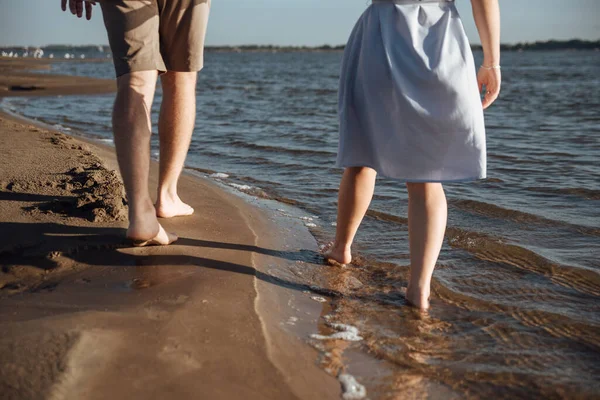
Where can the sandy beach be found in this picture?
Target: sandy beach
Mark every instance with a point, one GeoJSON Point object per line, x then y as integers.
{"type": "Point", "coordinates": [85, 316]}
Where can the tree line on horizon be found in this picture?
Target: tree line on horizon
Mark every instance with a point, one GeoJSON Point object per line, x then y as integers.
{"type": "Point", "coordinates": [574, 44]}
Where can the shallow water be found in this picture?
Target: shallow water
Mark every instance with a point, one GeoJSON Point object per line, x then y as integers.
{"type": "Point", "coordinates": [516, 304]}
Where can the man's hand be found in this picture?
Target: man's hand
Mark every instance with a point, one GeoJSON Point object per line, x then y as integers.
{"type": "Point", "coordinates": [76, 7]}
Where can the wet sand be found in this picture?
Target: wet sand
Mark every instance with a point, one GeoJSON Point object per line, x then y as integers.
{"type": "Point", "coordinates": [84, 315]}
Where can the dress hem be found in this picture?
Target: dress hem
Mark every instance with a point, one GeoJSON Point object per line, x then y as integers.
{"type": "Point", "coordinates": [458, 180]}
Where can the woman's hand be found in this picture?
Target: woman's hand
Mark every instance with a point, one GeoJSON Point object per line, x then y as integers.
{"type": "Point", "coordinates": [76, 7]}
{"type": "Point", "coordinates": [491, 79]}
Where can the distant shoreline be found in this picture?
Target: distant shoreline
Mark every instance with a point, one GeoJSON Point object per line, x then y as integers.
{"type": "Point", "coordinates": [550, 45]}
{"type": "Point", "coordinates": [574, 44]}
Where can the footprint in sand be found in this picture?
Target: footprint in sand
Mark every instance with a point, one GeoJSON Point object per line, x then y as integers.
{"type": "Point", "coordinates": [158, 310]}
{"type": "Point", "coordinates": [176, 300]}
{"type": "Point", "coordinates": [181, 358]}
{"type": "Point", "coordinates": [155, 313]}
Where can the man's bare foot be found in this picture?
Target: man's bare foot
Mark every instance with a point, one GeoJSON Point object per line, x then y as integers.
{"type": "Point", "coordinates": [417, 299]}
{"type": "Point", "coordinates": [172, 206]}
{"type": "Point", "coordinates": [337, 254]}
{"type": "Point", "coordinates": [163, 238]}
{"type": "Point", "coordinates": [144, 229]}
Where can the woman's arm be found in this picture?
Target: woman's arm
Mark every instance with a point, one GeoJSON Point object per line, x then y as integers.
{"type": "Point", "coordinates": [487, 19]}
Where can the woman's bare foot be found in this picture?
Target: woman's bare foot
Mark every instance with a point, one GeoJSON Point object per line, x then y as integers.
{"type": "Point", "coordinates": [335, 254]}
{"type": "Point", "coordinates": [418, 298]}
{"type": "Point", "coordinates": [171, 206]}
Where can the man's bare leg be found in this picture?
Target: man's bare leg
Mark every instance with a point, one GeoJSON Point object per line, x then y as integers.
{"type": "Point", "coordinates": [132, 130]}
{"type": "Point", "coordinates": [175, 127]}
{"type": "Point", "coordinates": [427, 216]}
{"type": "Point", "coordinates": [356, 192]}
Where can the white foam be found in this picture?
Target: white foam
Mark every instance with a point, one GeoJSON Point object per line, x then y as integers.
{"type": "Point", "coordinates": [334, 224]}
{"type": "Point", "coordinates": [61, 128]}
{"type": "Point", "coordinates": [306, 218]}
{"type": "Point", "coordinates": [106, 140]}
{"type": "Point", "coordinates": [351, 389]}
{"type": "Point", "coordinates": [311, 225]}
{"type": "Point", "coordinates": [345, 332]}
{"type": "Point", "coordinates": [241, 187]}
{"type": "Point", "coordinates": [219, 175]}
{"type": "Point", "coordinates": [319, 299]}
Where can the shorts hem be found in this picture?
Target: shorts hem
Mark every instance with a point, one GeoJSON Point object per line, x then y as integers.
{"type": "Point", "coordinates": [133, 67]}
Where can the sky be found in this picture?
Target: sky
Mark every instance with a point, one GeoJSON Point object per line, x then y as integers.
{"type": "Point", "coordinates": [296, 22]}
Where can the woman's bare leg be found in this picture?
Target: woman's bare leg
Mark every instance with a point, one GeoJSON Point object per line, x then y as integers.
{"type": "Point", "coordinates": [355, 194]}
{"type": "Point", "coordinates": [427, 217]}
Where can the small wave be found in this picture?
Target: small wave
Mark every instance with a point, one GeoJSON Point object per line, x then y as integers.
{"type": "Point", "coordinates": [316, 91]}
{"type": "Point", "coordinates": [345, 332]}
{"type": "Point", "coordinates": [495, 250]}
{"type": "Point", "coordinates": [241, 187]}
{"type": "Point", "coordinates": [351, 389]}
{"type": "Point", "coordinates": [492, 180]}
{"type": "Point", "coordinates": [381, 216]}
{"type": "Point", "coordinates": [493, 211]}
{"type": "Point", "coordinates": [588, 194]}
{"type": "Point", "coordinates": [202, 170]}
{"type": "Point", "coordinates": [561, 155]}
{"type": "Point", "coordinates": [61, 128]}
{"type": "Point", "coordinates": [251, 190]}
{"type": "Point", "coordinates": [278, 149]}
{"type": "Point", "coordinates": [256, 181]}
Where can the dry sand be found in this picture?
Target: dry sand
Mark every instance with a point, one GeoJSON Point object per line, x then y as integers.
{"type": "Point", "coordinates": [85, 316]}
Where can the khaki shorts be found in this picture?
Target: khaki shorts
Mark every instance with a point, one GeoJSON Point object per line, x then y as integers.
{"type": "Point", "coordinates": [163, 35]}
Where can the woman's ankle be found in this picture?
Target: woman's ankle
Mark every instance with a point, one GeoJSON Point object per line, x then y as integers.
{"type": "Point", "coordinates": [339, 252]}
{"type": "Point", "coordinates": [418, 295]}
{"type": "Point", "coordinates": [341, 246]}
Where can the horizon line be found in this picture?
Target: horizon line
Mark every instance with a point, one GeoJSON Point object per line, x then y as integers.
{"type": "Point", "coordinates": [305, 45]}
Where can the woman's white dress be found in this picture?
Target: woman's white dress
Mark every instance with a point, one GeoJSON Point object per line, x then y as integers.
{"type": "Point", "coordinates": [409, 104]}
